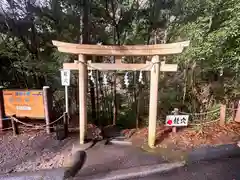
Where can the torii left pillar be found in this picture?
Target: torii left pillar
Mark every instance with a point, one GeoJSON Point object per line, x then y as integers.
{"type": "Point", "coordinates": [82, 97]}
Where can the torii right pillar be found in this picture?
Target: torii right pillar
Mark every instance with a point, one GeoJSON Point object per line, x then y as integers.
{"type": "Point", "coordinates": [153, 103]}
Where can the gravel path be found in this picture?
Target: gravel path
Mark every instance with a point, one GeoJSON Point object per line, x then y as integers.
{"type": "Point", "coordinates": [33, 150]}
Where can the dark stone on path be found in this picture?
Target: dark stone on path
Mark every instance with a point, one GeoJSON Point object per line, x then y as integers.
{"type": "Point", "coordinates": [111, 131]}
{"type": "Point", "coordinates": [10, 171]}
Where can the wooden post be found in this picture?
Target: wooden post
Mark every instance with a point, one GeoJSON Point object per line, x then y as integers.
{"type": "Point", "coordinates": [234, 109]}
{"type": "Point", "coordinates": [222, 114]}
{"type": "Point", "coordinates": [1, 109]}
{"type": "Point", "coordinates": [65, 123]}
{"type": "Point", "coordinates": [237, 116]}
{"type": "Point", "coordinates": [47, 108]}
{"type": "Point", "coordinates": [153, 101]}
{"type": "Point", "coordinates": [82, 97]}
{"type": "Point", "coordinates": [175, 112]}
{"type": "Point", "coordinates": [14, 126]}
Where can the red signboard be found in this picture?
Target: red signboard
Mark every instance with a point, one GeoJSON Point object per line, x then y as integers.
{"type": "Point", "coordinates": [24, 103]}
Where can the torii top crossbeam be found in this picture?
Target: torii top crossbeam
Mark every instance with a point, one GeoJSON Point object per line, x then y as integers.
{"type": "Point", "coordinates": [124, 50]}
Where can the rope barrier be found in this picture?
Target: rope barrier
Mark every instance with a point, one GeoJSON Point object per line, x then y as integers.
{"type": "Point", "coordinates": [200, 124]}
{"type": "Point", "coordinates": [205, 113]}
{"type": "Point", "coordinates": [23, 123]}
{"type": "Point", "coordinates": [36, 127]}
{"type": "Point", "coordinates": [8, 118]}
{"type": "Point", "coordinates": [233, 109]}
{"type": "Point", "coordinates": [197, 114]}
{"type": "Point", "coordinates": [6, 129]}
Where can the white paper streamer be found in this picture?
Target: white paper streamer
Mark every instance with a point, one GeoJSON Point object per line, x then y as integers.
{"type": "Point", "coordinates": [105, 79]}
{"type": "Point", "coordinates": [91, 77]}
{"type": "Point", "coordinates": [140, 78]}
{"type": "Point", "coordinates": [126, 81]}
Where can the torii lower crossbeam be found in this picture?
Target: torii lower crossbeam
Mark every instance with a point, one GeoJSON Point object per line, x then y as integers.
{"type": "Point", "coordinates": [122, 67]}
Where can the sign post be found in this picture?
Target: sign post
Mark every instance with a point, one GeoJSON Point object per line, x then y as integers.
{"type": "Point", "coordinates": [66, 98]}
{"type": "Point", "coordinates": [65, 78]}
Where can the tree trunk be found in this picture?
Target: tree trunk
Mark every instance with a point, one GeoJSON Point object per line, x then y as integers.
{"type": "Point", "coordinates": [97, 99]}
{"type": "Point", "coordinates": [85, 40]}
{"type": "Point", "coordinates": [102, 98]}
{"type": "Point", "coordinates": [92, 93]}
{"type": "Point", "coordinates": [115, 111]}
{"type": "Point", "coordinates": [135, 98]}
{"type": "Point", "coordinates": [115, 101]}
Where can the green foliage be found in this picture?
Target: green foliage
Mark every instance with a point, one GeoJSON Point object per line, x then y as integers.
{"type": "Point", "coordinates": [213, 28]}
{"type": "Point", "coordinates": [209, 68]}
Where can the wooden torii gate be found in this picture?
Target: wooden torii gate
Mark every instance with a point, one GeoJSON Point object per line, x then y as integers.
{"type": "Point", "coordinates": [119, 51]}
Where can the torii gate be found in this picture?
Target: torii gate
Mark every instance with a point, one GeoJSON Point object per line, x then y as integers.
{"type": "Point", "coordinates": [119, 51]}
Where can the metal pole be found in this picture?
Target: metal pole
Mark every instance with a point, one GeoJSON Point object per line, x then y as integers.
{"type": "Point", "coordinates": [46, 107]}
{"type": "Point", "coordinates": [66, 99]}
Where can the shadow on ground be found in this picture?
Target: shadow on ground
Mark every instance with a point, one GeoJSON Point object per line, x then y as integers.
{"type": "Point", "coordinates": [224, 169]}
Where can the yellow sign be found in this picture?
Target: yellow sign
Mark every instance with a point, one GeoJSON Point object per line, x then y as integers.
{"type": "Point", "coordinates": [24, 103]}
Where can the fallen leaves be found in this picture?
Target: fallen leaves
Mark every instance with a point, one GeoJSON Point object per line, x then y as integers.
{"type": "Point", "coordinates": [187, 138]}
